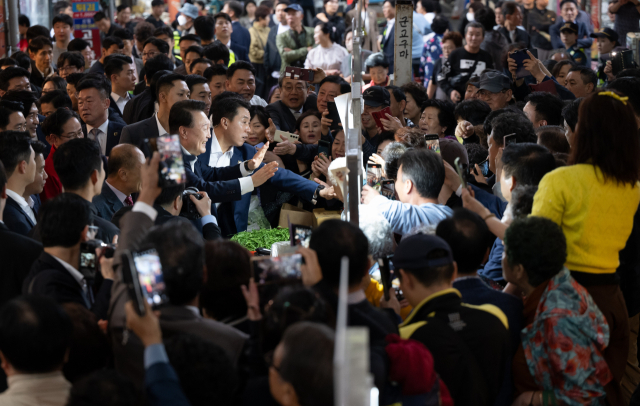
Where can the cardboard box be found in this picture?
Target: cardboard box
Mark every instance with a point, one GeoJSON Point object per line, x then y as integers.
{"type": "Point", "coordinates": [321, 215]}
{"type": "Point", "coordinates": [295, 215]}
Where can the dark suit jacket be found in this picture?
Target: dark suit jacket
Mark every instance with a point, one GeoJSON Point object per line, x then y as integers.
{"type": "Point", "coordinates": [36, 77]}
{"type": "Point", "coordinates": [234, 215]}
{"type": "Point", "coordinates": [97, 67]}
{"type": "Point", "coordinates": [388, 46]}
{"type": "Point", "coordinates": [107, 203]}
{"type": "Point", "coordinates": [240, 40]}
{"type": "Point", "coordinates": [221, 184]}
{"type": "Point", "coordinates": [114, 131]}
{"type": "Point", "coordinates": [283, 118]}
{"type": "Point", "coordinates": [16, 219]}
{"type": "Point", "coordinates": [521, 36]}
{"type": "Point", "coordinates": [272, 59]}
{"type": "Point", "coordinates": [49, 278]}
{"type": "Point", "coordinates": [136, 133]}
{"type": "Point", "coordinates": [210, 231]}
{"type": "Point", "coordinates": [36, 204]}
{"type": "Point", "coordinates": [106, 230]}
{"type": "Point", "coordinates": [162, 385]}
{"type": "Point", "coordinates": [17, 254]}
{"type": "Point", "coordinates": [42, 137]}
{"type": "Point", "coordinates": [140, 108]}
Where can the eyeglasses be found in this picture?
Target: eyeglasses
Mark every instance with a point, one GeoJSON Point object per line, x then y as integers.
{"type": "Point", "coordinates": [79, 134]}
{"type": "Point", "coordinates": [149, 54]}
{"type": "Point", "coordinates": [485, 94]}
{"type": "Point", "coordinates": [290, 88]}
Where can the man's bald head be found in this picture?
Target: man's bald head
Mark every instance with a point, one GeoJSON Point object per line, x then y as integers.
{"type": "Point", "coordinates": [123, 172]}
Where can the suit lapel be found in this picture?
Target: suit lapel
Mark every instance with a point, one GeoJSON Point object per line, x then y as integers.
{"type": "Point", "coordinates": [15, 204]}
{"type": "Point", "coordinates": [111, 197]}
{"type": "Point", "coordinates": [113, 136]}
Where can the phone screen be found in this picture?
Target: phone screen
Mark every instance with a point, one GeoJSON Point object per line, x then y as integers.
{"type": "Point", "coordinates": [520, 56]}
{"type": "Point", "coordinates": [333, 115]}
{"type": "Point", "coordinates": [299, 235]}
{"type": "Point", "coordinates": [172, 170]}
{"type": "Point", "coordinates": [377, 115]}
{"type": "Point", "coordinates": [88, 259]}
{"type": "Point", "coordinates": [277, 270]}
{"type": "Point", "coordinates": [460, 171]}
{"type": "Point", "coordinates": [374, 176]}
{"type": "Point", "coordinates": [509, 139]}
{"type": "Point", "coordinates": [150, 276]}
{"type": "Point", "coordinates": [433, 142]}
{"type": "Point", "coordinates": [324, 147]}
{"type": "Point", "coordinates": [388, 189]}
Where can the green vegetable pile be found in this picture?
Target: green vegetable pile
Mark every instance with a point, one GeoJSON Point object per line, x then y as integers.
{"type": "Point", "coordinates": [253, 240]}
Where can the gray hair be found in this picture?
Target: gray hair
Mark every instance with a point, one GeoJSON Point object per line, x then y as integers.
{"type": "Point", "coordinates": [378, 231]}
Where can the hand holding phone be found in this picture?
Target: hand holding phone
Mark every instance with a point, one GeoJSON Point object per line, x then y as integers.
{"type": "Point", "coordinates": [377, 115]}
{"type": "Point", "coordinates": [171, 170]}
{"type": "Point", "coordinates": [282, 136]}
{"type": "Point", "coordinates": [460, 171]}
{"type": "Point", "coordinates": [433, 142]}
{"type": "Point", "coordinates": [509, 139]}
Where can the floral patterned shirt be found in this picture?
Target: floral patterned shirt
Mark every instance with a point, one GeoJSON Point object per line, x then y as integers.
{"type": "Point", "coordinates": [431, 52]}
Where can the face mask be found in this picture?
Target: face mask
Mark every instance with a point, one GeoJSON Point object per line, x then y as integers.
{"type": "Point", "coordinates": [182, 20]}
{"type": "Point", "coordinates": [470, 17]}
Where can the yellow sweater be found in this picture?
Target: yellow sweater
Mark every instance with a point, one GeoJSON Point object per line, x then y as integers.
{"type": "Point", "coordinates": [596, 216]}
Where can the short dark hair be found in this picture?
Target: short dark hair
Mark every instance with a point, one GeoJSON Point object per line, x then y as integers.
{"type": "Point", "coordinates": [75, 161]}
{"type": "Point", "coordinates": [344, 86]}
{"type": "Point", "coordinates": [122, 7]}
{"type": "Point", "coordinates": [169, 194]}
{"type": "Point", "coordinates": [236, 7]}
{"type": "Point", "coordinates": [22, 60]}
{"type": "Point", "coordinates": [26, 97]}
{"type": "Point", "coordinates": [548, 107]}
{"type": "Point", "coordinates": [162, 46]}
{"type": "Point", "coordinates": [474, 111]}
{"type": "Point", "coordinates": [157, 64]}
{"type": "Point", "coordinates": [205, 27]}
{"type": "Point", "coordinates": [37, 31]}
{"type": "Point", "coordinates": [5, 115]}
{"type": "Point", "coordinates": [62, 18]}
{"type": "Point", "coordinates": [38, 146]}
{"type": "Point", "coordinates": [74, 78]}
{"type": "Point", "coordinates": [228, 109]}
{"type": "Point", "coordinates": [334, 239]}
{"type": "Point", "coordinates": [307, 362]}
{"type": "Point", "coordinates": [59, 6]}
{"type": "Point", "coordinates": [115, 64]}
{"type": "Point", "coordinates": [157, 3]}
{"type": "Point", "coordinates": [630, 87]}
{"type": "Point", "coordinates": [440, 24]}
{"type": "Point", "coordinates": [164, 30]}
{"type": "Point", "coordinates": [199, 60]}
{"type": "Point", "coordinates": [165, 82]}
{"type": "Point", "coordinates": [14, 148]}
{"type": "Point", "coordinates": [425, 169]}
{"type": "Point", "coordinates": [512, 123]}
{"type": "Point", "coordinates": [77, 45]}
{"type": "Point", "coordinates": [6, 61]}
{"type": "Point", "coordinates": [261, 113]}
{"type": "Point", "coordinates": [9, 73]}
{"type": "Point", "coordinates": [108, 42]}
{"type": "Point", "coordinates": [206, 373]}
{"type": "Point", "coordinates": [527, 162]}
{"type": "Point", "coordinates": [587, 75]}
{"type": "Point", "coordinates": [94, 83]}
{"type": "Point", "coordinates": [216, 51]}
{"type": "Point", "coordinates": [58, 82]}
{"type": "Point", "coordinates": [190, 37]}
{"type": "Point", "coordinates": [181, 251]}
{"type": "Point", "coordinates": [39, 43]}
{"type": "Point", "coordinates": [34, 333]}
{"type": "Point", "coordinates": [446, 117]}
{"type": "Point", "coordinates": [63, 219]}
{"type": "Point", "coordinates": [262, 12]}
{"type": "Point", "coordinates": [194, 48]}
{"type": "Point", "coordinates": [417, 91]}
{"type": "Point", "coordinates": [485, 16]}
{"type": "Point", "coordinates": [58, 98]}
{"type": "Point", "coordinates": [473, 24]}
{"type": "Point", "coordinates": [143, 31]}
{"type": "Point", "coordinates": [570, 112]}
{"type": "Point", "coordinates": [55, 121]}
{"type": "Point", "coordinates": [539, 245]}
{"type": "Point", "coordinates": [24, 21]}
{"type": "Point", "coordinates": [397, 92]}
{"type": "Point", "coordinates": [193, 80]}
{"type": "Point", "coordinates": [240, 65]}
{"type": "Point", "coordinates": [74, 58]}
{"type": "Point", "coordinates": [508, 8]}
{"type": "Point", "coordinates": [468, 237]}
{"type": "Point", "coordinates": [181, 114]}
{"type": "Point", "coordinates": [99, 16]}
{"type": "Point", "coordinates": [214, 70]}
{"type": "Point", "coordinates": [124, 35]}
{"type": "Point", "coordinates": [629, 73]}
{"type": "Point", "coordinates": [553, 138]}
{"type": "Point", "coordinates": [411, 137]}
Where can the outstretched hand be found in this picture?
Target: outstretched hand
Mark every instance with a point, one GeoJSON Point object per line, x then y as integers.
{"type": "Point", "coordinates": [257, 158]}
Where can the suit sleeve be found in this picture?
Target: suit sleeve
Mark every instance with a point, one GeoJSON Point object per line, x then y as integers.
{"type": "Point", "coordinates": [306, 152]}
{"type": "Point", "coordinates": [47, 283]}
{"type": "Point", "coordinates": [211, 231]}
{"type": "Point", "coordinates": [274, 114]}
{"type": "Point", "coordinates": [210, 174]}
{"type": "Point", "coordinates": [125, 135]}
{"type": "Point", "coordinates": [218, 191]}
{"type": "Point", "coordinates": [16, 226]}
{"type": "Point", "coordinates": [161, 382]}
{"type": "Point", "coordinates": [288, 181]}
{"type": "Point", "coordinates": [554, 32]}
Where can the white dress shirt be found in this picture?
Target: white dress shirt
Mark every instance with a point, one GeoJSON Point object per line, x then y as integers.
{"type": "Point", "coordinates": [219, 159]}
{"type": "Point", "coordinates": [257, 101]}
{"type": "Point", "coordinates": [282, 28]}
{"type": "Point", "coordinates": [102, 135]}
{"type": "Point", "coordinates": [297, 113]}
{"type": "Point", "coordinates": [387, 30]}
{"type": "Point", "coordinates": [120, 101]}
{"type": "Point", "coordinates": [24, 205]}
{"type": "Point", "coordinates": [326, 58]}
{"type": "Point", "coordinates": [121, 196]}
{"type": "Point", "coordinates": [161, 130]}
{"type": "Point", "coordinates": [192, 163]}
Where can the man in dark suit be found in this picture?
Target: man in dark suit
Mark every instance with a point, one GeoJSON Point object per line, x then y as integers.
{"type": "Point", "coordinates": [170, 89]}
{"type": "Point", "coordinates": [80, 168]}
{"type": "Point", "coordinates": [40, 52]}
{"type": "Point", "coordinates": [93, 106]}
{"type": "Point", "coordinates": [32, 190]}
{"type": "Point", "coordinates": [19, 161]}
{"type": "Point", "coordinates": [294, 100]}
{"type": "Point", "coordinates": [512, 21]}
{"type": "Point", "coordinates": [57, 272]}
{"type": "Point", "coordinates": [123, 179]}
{"type": "Point", "coordinates": [240, 37]}
{"type": "Point", "coordinates": [142, 106]}
{"type": "Point", "coordinates": [272, 59]}
{"type": "Point", "coordinates": [227, 147]}
{"type": "Point", "coordinates": [17, 252]}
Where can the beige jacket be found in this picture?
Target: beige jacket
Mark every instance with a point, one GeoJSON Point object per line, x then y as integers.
{"type": "Point", "coordinates": [50, 389]}
{"type": "Point", "coordinates": [259, 37]}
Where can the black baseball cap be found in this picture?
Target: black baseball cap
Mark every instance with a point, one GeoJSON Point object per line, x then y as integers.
{"type": "Point", "coordinates": [376, 96]}
{"type": "Point", "coordinates": [608, 33]}
{"type": "Point", "coordinates": [493, 81]}
{"type": "Point", "coordinates": [569, 26]}
{"type": "Point", "coordinates": [412, 252]}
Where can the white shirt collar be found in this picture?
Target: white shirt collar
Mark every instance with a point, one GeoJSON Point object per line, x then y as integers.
{"type": "Point", "coordinates": [356, 297]}
{"type": "Point", "coordinates": [121, 196]}
{"type": "Point", "coordinates": [161, 130]}
{"type": "Point", "coordinates": [30, 202]}
{"type": "Point", "coordinates": [19, 199]}
{"type": "Point", "coordinates": [103, 127]}
{"type": "Point", "coordinates": [73, 271]}
{"type": "Point", "coordinates": [116, 97]}
{"type": "Point", "coordinates": [229, 43]}
{"type": "Point", "coordinates": [299, 111]}
{"type": "Point", "coordinates": [193, 309]}
{"type": "Point", "coordinates": [192, 163]}
{"type": "Point", "coordinates": [215, 145]}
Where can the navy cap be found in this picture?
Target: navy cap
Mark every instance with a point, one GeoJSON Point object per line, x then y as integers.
{"type": "Point", "coordinates": [569, 26]}
{"type": "Point", "coordinates": [606, 33]}
{"type": "Point", "coordinates": [376, 96]}
{"type": "Point", "coordinates": [294, 6]}
{"type": "Point", "coordinates": [412, 252]}
{"type": "Point", "coordinates": [493, 81]}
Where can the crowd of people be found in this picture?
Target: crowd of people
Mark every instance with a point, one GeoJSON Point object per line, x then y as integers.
{"type": "Point", "coordinates": [502, 268]}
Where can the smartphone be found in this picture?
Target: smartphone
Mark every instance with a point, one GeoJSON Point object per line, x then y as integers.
{"type": "Point", "coordinates": [385, 275]}
{"type": "Point", "coordinates": [88, 264]}
{"type": "Point", "coordinates": [132, 282]}
{"type": "Point", "coordinates": [299, 235]}
{"type": "Point", "coordinates": [149, 269]}
{"type": "Point", "coordinates": [299, 73]}
{"type": "Point", "coordinates": [333, 115]}
{"type": "Point", "coordinates": [377, 115]}
{"type": "Point", "coordinates": [484, 168]}
{"type": "Point", "coordinates": [433, 142]}
{"type": "Point", "coordinates": [459, 169]}
{"type": "Point", "coordinates": [282, 136]}
{"type": "Point", "coordinates": [306, 75]}
{"type": "Point", "coordinates": [388, 189]}
{"type": "Point", "coordinates": [621, 61]}
{"type": "Point", "coordinates": [509, 139]}
{"type": "Point", "coordinates": [520, 56]}
{"type": "Point", "coordinates": [374, 176]}
{"type": "Point", "coordinates": [324, 147]}
{"type": "Point", "coordinates": [171, 171]}
{"type": "Point", "coordinates": [277, 270]}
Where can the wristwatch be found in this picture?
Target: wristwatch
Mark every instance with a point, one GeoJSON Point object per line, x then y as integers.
{"type": "Point", "coordinates": [246, 166]}
{"type": "Point", "coordinates": [316, 194]}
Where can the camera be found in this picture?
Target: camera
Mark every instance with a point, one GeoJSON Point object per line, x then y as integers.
{"type": "Point", "coordinates": [89, 260]}
{"type": "Point", "coordinates": [189, 209]}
